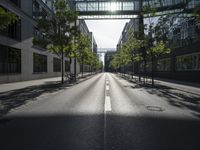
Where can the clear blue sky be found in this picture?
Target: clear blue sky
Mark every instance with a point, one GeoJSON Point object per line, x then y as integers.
{"type": "Point", "coordinates": [106, 32]}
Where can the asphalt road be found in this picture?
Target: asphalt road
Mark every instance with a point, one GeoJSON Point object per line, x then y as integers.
{"type": "Point", "coordinates": [106, 112]}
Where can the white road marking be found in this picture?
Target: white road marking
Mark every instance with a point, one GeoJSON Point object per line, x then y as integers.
{"type": "Point", "coordinates": [107, 88]}
{"type": "Point", "coordinates": [107, 108]}
{"type": "Point", "coordinates": [108, 104]}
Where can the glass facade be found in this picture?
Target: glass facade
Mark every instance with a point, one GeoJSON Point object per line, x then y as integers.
{"type": "Point", "coordinates": [107, 6]}
{"type": "Point", "coordinates": [106, 16]}
{"type": "Point", "coordinates": [38, 11]}
{"type": "Point", "coordinates": [10, 60]}
{"type": "Point", "coordinates": [89, 8]}
{"type": "Point", "coordinates": [39, 63]}
{"type": "Point", "coordinates": [16, 2]}
{"type": "Point", "coordinates": [188, 62]}
{"type": "Point", "coordinates": [67, 66]}
{"type": "Point", "coordinates": [56, 65]}
{"type": "Point", "coordinates": [13, 30]}
{"type": "Point", "coordinates": [163, 65]}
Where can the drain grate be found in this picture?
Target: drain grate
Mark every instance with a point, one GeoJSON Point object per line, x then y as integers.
{"type": "Point", "coordinates": [154, 108]}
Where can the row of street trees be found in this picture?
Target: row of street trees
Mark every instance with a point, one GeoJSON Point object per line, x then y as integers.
{"type": "Point", "coordinates": [132, 51]}
{"type": "Point", "coordinates": [140, 47]}
{"type": "Point", "coordinates": [60, 35]}
{"type": "Point", "coordinates": [147, 44]}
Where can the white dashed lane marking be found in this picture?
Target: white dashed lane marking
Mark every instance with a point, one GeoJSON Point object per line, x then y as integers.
{"type": "Point", "coordinates": [107, 106]}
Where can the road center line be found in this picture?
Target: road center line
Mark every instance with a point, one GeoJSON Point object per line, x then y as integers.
{"type": "Point", "coordinates": [107, 108]}
{"type": "Point", "coordinates": [107, 88]}
{"type": "Point", "coordinates": [107, 105]}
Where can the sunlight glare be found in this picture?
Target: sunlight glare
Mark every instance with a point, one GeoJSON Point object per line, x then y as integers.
{"type": "Point", "coordinates": [113, 6]}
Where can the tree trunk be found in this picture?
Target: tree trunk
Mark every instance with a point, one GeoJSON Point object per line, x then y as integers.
{"type": "Point", "coordinates": [124, 71]}
{"type": "Point", "coordinates": [75, 69]}
{"type": "Point", "coordinates": [82, 70]}
{"type": "Point", "coordinates": [139, 73]}
{"type": "Point", "coordinates": [62, 67]}
{"type": "Point", "coordinates": [145, 70]}
{"type": "Point", "coordinates": [132, 69]}
{"type": "Point", "coordinates": [152, 71]}
{"type": "Point", "coordinates": [82, 67]}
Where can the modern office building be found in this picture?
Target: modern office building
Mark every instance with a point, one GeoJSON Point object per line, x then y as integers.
{"type": "Point", "coordinates": [131, 26]}
{"type": "Point", "coordinates": [183, 63]}
{"type": "Point", "coordinates": [107, 59]}
{"type": "Point", "coordinates": [84, 29]}
{"type": "Point", "coordinates": [19, 59]}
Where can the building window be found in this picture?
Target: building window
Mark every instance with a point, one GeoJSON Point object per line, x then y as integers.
{"type": "Point", "coordinates": [39, 63]}
{"type": "Point", "coordinates": [16, 2]}
{"type": "Point", "coordinates": [188, 62]}
{"type": "Point", "coordinates": [38, 11]}
{"type": "Point", "coordinates": [163, 65]}
{"type": "Point", "coordinates": [56, 65]}
{"type": "Point", "coordinates": [67, 66]}
{"type": "Point", "coordinates": [13, 30]}
{"type": "Point", "coordinates": [148, 66]}
{"type": "Point", "coordinates": [10, 60]}
{"type": "Point", "coordinates": [128, 6]}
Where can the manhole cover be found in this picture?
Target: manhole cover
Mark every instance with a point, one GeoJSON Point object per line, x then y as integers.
{"type": "Point", "coordinates": [154, 108]}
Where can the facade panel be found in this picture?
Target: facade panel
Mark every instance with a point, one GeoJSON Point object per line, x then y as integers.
{"type": "Point", "coordinates": [10, 60]}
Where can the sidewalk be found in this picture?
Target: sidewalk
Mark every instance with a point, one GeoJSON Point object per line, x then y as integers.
{"type": "Point", "coordinates": [186, 86]}
{"type": "Point", "coordinates": [13, 95]}
{"type": "Point", "coordinates": [23, 84]}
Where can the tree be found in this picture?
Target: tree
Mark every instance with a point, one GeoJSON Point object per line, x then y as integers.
{"type": "Point", "coordinates": [97, 63]}
{"type": "Point", "coordinates": [196, 12]}
{"type": "Point", "coordinates": [155, 51]}
{"type": "Point", "coordinates": [120, 59]}
{"type": "Point", "coordinates": [156, 45]}
{"type": "Point", "coordinates": [83, 49]}
{"type": "Point", "coordinates": [92, 61]}
{"type": "Point", "coordinates": [115, 62]}
{"type": "Point", "coordinates": [58, 31]}
{"type": "Point", "coordinates": [6, 18]}
{"type": "Point", "coordinates": [132, 47]}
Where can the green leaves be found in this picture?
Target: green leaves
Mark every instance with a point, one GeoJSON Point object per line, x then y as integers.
{"type": "Point", "coordinates": [196, 12]}
{"type": "Point", "coordinates": [6, 18]}
{"type": "Point", "coordinates": [159, 49]}
{"type": "Point", "coordinates": [129, 52]}
{"type": "Point", "coordinates": [58, 31]}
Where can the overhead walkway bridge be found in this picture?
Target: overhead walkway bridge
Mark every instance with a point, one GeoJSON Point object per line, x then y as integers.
{"type": "Point", "coordinates": [107, 9]}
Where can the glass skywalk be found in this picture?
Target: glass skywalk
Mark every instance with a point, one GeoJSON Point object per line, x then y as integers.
{"type": "Point", "coordinates": [90, 9]}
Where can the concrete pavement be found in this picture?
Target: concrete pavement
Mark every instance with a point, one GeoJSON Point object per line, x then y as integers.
{"type": "Point", "coordinates": [23, 84]}
{"type": "Point", "coordinates": [13, 95]}
{"type": "Point", "coordinates": [106, 112]}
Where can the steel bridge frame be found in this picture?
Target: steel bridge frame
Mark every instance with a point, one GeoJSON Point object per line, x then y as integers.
{"type": "Point", "coordinates": [121, 9]}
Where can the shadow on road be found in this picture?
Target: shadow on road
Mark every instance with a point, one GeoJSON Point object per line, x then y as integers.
{"type": "Point", "coordinates": [88, 132]}
{"type": "Point", "coordinates": [177, 97]}
{"type": "Point", "coordinates": [16, 98]}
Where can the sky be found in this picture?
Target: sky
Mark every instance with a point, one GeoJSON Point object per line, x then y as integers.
{"type": "Point", "coordinates": [106, 32]}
